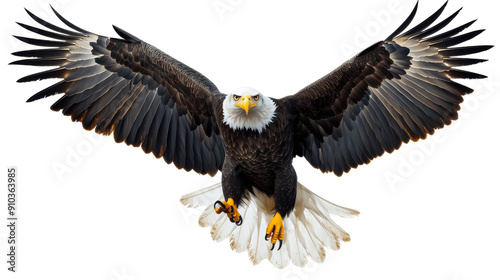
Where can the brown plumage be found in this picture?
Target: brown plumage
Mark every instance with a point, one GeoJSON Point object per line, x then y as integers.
{"type": "Point", "coordinates": [397, 90]}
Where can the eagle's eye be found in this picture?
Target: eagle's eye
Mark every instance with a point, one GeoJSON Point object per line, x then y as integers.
{"type": "Point", "coordinates": [236, 97]}
{"type": "Point", "coordinates": [256, 98]}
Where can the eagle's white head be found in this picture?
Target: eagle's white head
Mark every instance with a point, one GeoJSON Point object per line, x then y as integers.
{"type": "Point", "coordinates": [246, 108]}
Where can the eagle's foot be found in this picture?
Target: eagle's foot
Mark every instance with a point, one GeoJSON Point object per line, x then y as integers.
{"type": "Point", "coordinates": [275, 230]}
{"type": "Point", "coordinates": [230, 209]}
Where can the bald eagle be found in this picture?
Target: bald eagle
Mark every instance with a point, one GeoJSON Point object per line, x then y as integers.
{"type": "Point", "coordinates": [396, 90]}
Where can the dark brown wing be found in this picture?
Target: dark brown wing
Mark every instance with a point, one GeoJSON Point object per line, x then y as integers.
{"type": "Point", "coordinates": [397, 90]}
{"type": "Point", "coordinates": [129, 87]}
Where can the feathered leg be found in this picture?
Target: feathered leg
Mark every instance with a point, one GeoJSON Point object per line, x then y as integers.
{"type": "Point", "coordinates": [285, 192]}
{"type": "Point", "coordinates": [233, 187]}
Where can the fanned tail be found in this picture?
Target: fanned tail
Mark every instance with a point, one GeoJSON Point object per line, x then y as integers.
{"type": "Point", "coordinates": [309, 229]}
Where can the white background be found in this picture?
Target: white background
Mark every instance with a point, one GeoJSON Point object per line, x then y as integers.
{"type": "Point", "coordinates": [116, 213]}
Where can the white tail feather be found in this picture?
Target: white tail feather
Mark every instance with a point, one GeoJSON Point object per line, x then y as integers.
{"type": "Point", "coordinates": [309, 228]}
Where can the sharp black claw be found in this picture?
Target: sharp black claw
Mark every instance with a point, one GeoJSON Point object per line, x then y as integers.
{"type": "Point", "coordinates": [218, 202]}
{"type": "Point", "coordinates": [273, 246]}
{"type": "Point", "coordinates": [281, 243]}
{"type": "Point", "coordinates": [231, 219]}
{"type": "Point", "coordinates": [238, 223]}
{"type": "Point", "coordinates": [266, 237]}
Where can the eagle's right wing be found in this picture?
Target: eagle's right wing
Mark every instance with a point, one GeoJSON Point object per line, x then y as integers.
{"type": "Point", "coordinates": [129, 87]}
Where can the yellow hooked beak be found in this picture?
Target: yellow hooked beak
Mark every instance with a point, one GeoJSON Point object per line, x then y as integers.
{"type": "Point", "coordinates": [246, 103]}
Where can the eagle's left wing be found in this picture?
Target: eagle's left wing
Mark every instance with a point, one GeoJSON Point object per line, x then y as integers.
{"type": "Point", "coordinates": [397, 90]}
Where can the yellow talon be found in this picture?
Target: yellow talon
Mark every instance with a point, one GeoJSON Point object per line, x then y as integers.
{"type": "Point", "coordinates": [275, 230]}
{"type": "Point", "coordinates": [230, 209]}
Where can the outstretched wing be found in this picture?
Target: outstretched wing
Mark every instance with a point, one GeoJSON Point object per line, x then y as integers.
{"type": "Point", "coordinates": [129, 87]}
{"type": "Point", "coordinates": [397, 90]}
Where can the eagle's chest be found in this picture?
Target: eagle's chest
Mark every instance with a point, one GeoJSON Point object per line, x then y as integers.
{"type": "Point", "coordinates": [266, 149]}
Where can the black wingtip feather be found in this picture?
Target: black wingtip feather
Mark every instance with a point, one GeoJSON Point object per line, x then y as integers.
{"type": "Point", "coordinates": [57, 88]}
{"type": "Point", "coordinates": [404, 24]}
{"type": "Point", "coordinates": [438, 26]}
{"type": "Point", "coordinates": [53, 73]}
{"type": "Point", "coordinates": [50, 25]}
{"type": "Point", "coordinates": [464, 50]}
{"type": "Point", "coordinates": [38, 62]}
{"type": "Point", "coordinates": [125, 35]}
{"type": "Point", "coordinates": [42, 53]}
{"type": "Point", "coordinates": [448, 34]}
{"type": "Point", "coordinates": [46, 33]}
{"type": "Point", "coordinates": [457, 40]}
{"type": "Point", "coordinates": [69, 24]}
{"type": "Point", "coordinates": [462, 74]}
{"type": "Point", "coordinates": [41, 42]}
{"type": "Point", "coordinates": [463, 61]}
{"type": "Point", "coordinates": [424, 24]}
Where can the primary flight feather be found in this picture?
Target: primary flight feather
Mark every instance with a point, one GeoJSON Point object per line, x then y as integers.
{"type": "Point", "coordinates": [397, 90]}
